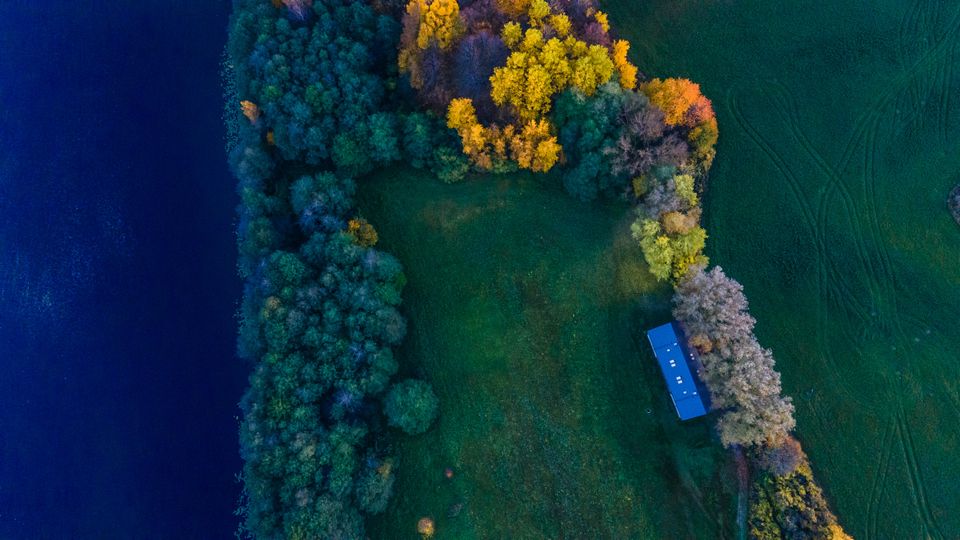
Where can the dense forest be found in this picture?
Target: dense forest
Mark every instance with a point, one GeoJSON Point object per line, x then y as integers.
{"type": "Point", "coordinates": [323, 92]}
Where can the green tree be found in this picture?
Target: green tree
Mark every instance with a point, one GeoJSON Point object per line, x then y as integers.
{"type": "Point", "coordinates": [411, 406]}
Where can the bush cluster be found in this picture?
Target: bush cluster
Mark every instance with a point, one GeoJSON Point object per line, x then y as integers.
{"type": "Point", "coordinates": [668, 225]}
{"type": "Point", "coordinates": [496, 66]}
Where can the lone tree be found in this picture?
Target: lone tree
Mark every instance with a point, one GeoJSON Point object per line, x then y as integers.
{"type": "Point", "coordinates": [411, 406]}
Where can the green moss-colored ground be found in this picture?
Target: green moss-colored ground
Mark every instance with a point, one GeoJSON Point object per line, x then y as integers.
{"type": "Point", "coordinates": [526, 309]}
{"type": "Point", "coordinates": [839, 141]}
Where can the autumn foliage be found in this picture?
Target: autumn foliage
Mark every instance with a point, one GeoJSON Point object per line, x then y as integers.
{"type": "Point", "coordinates": [684, 105]}
{"type": "Point", "coordinates": [539, 51]}
{"type": "Point", "coordinates": [437, 21]}
{"type": "Point", "coordinates": [363, 232]}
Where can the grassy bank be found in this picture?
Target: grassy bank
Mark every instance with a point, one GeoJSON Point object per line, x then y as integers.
{"type": "Point", "coordinates": [526, 309]}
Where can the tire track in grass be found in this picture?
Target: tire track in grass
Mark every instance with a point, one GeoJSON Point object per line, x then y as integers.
{"type": "Point", "coordinates": [881, 274]}
{"type": "Point", "coordinates": [942, 82]}
{"type": "Point", "coordinates": [853, 304]}
{"type": "Point", "coordinates": [880, 479]}
{"type": "Point", "coordinates": [868, 126]}
{"type": "Point", "coordinates": [947, 45]}
{"type": "Point", "coordinates": [786, 103]}
{"type": "Point", "coordinates": [911, 20]}
{"type": "Point", "coordinates": [946, 94]}
{"type": "Point", "coordinates": [872, 150]}
{"type": "Point", "coordinates": [881, 270]}
{"type": "Point", "coordinates": [897, 85]}
{"type": "Point", "coordinates": [916, 478]}
{"type": "Point", "coordinates": [793, 184]}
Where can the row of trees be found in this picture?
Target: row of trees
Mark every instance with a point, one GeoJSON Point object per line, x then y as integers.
{"type": "Point", "coordinates": [785, 501]}
{"type": "Point", "coordinates": [739, 372]}
{"type": "Point", "coordinates": [320, 316]}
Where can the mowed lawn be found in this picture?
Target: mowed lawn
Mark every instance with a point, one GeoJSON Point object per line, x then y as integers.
{"type": "Point", "coordinates": [526, 311]}
{"type": "Point", "coordinates": [839, 142]}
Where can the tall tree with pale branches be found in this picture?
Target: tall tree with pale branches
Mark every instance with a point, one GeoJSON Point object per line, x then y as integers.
{"type": "Point", "coordinates": [739, 372]}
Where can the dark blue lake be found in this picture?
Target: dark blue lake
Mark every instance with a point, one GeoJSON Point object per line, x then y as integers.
{"type": "Point", "coordinates": [119, 380]}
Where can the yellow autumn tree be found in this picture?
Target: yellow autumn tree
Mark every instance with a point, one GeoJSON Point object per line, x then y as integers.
{"type": "Point", "coordinates": [534, 147]}
{"type": "Point", "coordinates": [604, 21]}
{"type": "Point", "coordinates": [538, 69]}
{"type": "Point", "coordinates": [438, 21]}
{"type": "Point", "coordinates": [592, 69]}
{"type": "Point", "coordinates": [363, 232]}
{"type": "Point", "coordinates": [462, 117]}
{"type": "Point", "coordinates": [673, 96]}
{"type": "Point", "coordinates": [250, 110]}
{"type": "Point", "coordinates": [560, 23]}
{"type": "Point", "coordinates": [627, 71]}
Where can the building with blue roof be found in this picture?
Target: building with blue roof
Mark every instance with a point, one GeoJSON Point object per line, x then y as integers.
{"type": "Point", "coordinates": [675, 360]}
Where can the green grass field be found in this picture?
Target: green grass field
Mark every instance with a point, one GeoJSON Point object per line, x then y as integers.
{"type": "Point", "coordinates": [839, 142]}
{"type": "Point", "coordinates": [526, 310]}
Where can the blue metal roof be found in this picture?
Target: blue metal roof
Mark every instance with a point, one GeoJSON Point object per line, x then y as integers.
{"type": "Point", "coordinates": [672, 355]}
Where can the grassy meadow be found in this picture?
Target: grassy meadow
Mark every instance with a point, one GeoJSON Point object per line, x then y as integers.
{"type": "Point", "coordinates": [839, 142]}
{"type": "Point", "coordinates": [526, 310]}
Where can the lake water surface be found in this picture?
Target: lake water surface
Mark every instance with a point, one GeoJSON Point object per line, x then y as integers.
{"type": "Point", "coordinates": [118, 375]}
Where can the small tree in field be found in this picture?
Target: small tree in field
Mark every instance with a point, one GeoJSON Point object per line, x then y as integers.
{"type": "Point", "coordinates": [411, 406]}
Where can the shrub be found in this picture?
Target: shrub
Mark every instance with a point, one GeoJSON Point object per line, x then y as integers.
{"type": "Point", "coordinates": [375, 486]}
{"type": "Point", "coordinates": [450, 166]}
{"type": "Point", "coordinates": [411, 406]}
{"type": "Point", "coordinates": [783, 459]}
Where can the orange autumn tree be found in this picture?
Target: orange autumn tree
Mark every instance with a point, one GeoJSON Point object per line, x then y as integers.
{"type": "Point", "coordinates": [627, 71]}
{"type": "Point", "coordinates": [363, 232]}
{"type": "Point", "coordinates": [250, 110]}
{"type": "Point", "coordinates": [684, 105]}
